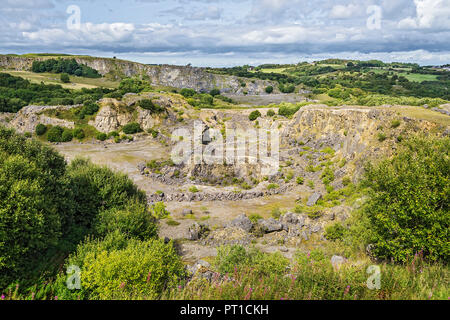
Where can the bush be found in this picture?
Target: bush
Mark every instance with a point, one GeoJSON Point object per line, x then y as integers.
{"type": "Point", "coordinates": [395, 124]}
{"type": "Point", "coordinates": [65, 78]}
{"type": "Point", "coordinates": [134, 221]}
{"type": "Point", "coordinates": [89, 108]}
{"type": "Point", "coordinates": [133, 85]}
{"type": "Point", "coordinates": [97, 189]}
{"type": "Point", "coordinates": [254, 115]}
{"type": "Point", "coordinates": [193, 189]}
{"type": "Point", "coordinates": [40, 129]}
{"type": "Point", "coordinates": [117, 268]}
{"type": "Point", "coordinates": [408, 206]}
{"type": "Point", "coordinates": [187, 93]}
{"type": "Point", "coordinates": [272, 186]}
{"type": "Point", "coordinates": [289, 88]}
{"type": "Point", "coordinates": [334, 232]}
{"type": "Point", "coordinates": [132, 128]}
{"type": "Point", "coordinates": [269, 89]}
{"type": "Point", "coordinates": [300, 180]}
{"type": "Point", "coordinates": [55, 134]}
{"type": "Point", "coordinates": [270, 113]}
{"type": "Point", "coordinates": [34, 204]}
{"type": "Point", "coordinates": [381, 137]}
{"type": "Point", "coordinates": [215, 92]}
{"type": "Point", "coordinates": [287, 110]}
{"type": "Point", "coordinates": [78, 133]}
{"type": "Point", "coordinates": [158, 211]}
{"type": "Point", "coordinates": [148, 104]}
{"type": "Point", "coordinates": [102, 136]}
{"type": "Point", "coordinates": [234, 258]}
{"type": "Point", "coordinates": [67, 135]}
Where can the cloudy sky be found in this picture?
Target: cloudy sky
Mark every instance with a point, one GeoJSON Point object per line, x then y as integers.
{"type": "Point", "coordinates": [231, 32]}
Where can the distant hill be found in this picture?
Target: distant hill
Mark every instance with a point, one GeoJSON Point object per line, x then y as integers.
{"type": "Point", "coordinates": [163, 75]}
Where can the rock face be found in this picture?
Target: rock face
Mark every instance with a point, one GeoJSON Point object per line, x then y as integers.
{"type": "Point", "coordinates": [29, 117]}
{"type": "Point", "coordinates": [163, 75]}
{"type": "Point", "coordinates": [108, 119]}
{"type": "Point", "coordinates": [313, 199]}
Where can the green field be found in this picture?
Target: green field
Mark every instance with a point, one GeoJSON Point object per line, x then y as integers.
{"type": "Point", "coordinates": [415, 77]}
{"type": "Point", "coordinates": [53, 78]}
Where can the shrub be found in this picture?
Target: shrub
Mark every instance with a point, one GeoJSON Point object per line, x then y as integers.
{"type": "Point", "coordinates": [287, 110]}
{"type": "Point", "coordinates": [65, 78]}
{"type": "Point", "coordinates": [159, 211]}
{"type": "Point", "coordinates": [113, 134]}
{"type": "Point", "coordinates": [300, 180]}
{"type": "Point", "coordinates": [134, 221]}
{"type": "Point", "coordinates": [153, 132]}
{"type": "Point", "coordinates": [34, 204]}
{"type": "Point", "coordinates": [119, 269]}
{"type": "Point", "coordinates": [254, 218]}
{"type": "Point", "coordinates": [408, 206]}
{"type": "Point", "coordinates": [270, 113]}
{"type": "Point", "coordinates": [133, 85]}
{"type": "Point", "coordinates": [327, 176]}
{"type": "Point", "coordinates": [230, 259]}
{"type": "Point", "coordinates": [67, 135]}
{"type": "Point", "coordinates": [214, 92]}
{"type": "Point", "coordinates": [269, 89]}
{"type": "Point", "coordinates": [89, 108]}
{"type": "Point", "coordinates": [334, 232]}
{"type": "Point", "coordinates": [289, 88]}
{"type": "Point", "coordinates": [381, 137]}
{"type": "Point", "coordinates": [254, 115]}
{"type": "Point", "coordinates": [132, 128]}
{"type": "Point", "coordinates": [78, 133]}
{"type": "Point", "coordinates": [102, 136]}
{"type": "Point", "coordinates": [187, 93]}
{"type": "Point", "coordinates": [148, 104]}
{"type": "Point", "coordinates": [97, 189]}
{"type": "Point", "coordinates": [272, 186]}
{"type": "Point", "coordinates": [55, 134]}
{"type": "Point", "coordinates": [395, 124]}
{"type": "Point", "coordinates": [193, 189]}
{"type": "Point", "coordinates": [40, 129]}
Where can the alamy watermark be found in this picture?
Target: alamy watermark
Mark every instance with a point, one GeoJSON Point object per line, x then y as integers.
{"type": "Point", "coordinates": [74, 20]}
{"type": "Point", "coordinates": [374, 281]}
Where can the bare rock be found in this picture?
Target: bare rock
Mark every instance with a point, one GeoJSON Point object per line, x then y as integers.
{"type": "Point", "coordinates": [271, 225]}
{"type": "Point", "coordinates": [313, 199]}
{"type": "Point", "coordinates": [242, 222]}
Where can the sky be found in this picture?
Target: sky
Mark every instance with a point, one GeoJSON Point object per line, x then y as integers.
{"type": "Point", "coordinates": [232, 32]}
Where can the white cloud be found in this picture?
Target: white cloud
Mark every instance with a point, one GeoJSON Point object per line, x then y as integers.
{"type": "Point", "coordinates": [88, 33]}
{"type": "Point", "coordinates": [429, 14]}
{"type": "Point", "coordinates": [344, 11]}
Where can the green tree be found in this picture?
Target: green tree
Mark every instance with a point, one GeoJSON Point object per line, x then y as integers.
{"type": "Point", "coordinates": [55, 134]}
{"type": "Point", "coordinates": [254, 115]}
{"type": "Point", "coordinates": [408, 206]}
{"type": "Point", "coordinates": [65, 78]}
{"type": "Point", "coordinates": [40, 129]}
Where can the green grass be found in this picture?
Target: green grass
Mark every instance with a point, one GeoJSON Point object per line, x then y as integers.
{"type": "Point", "coordinates": [76, 82]}
{"type": "Point", "coordinates": [312, 277]}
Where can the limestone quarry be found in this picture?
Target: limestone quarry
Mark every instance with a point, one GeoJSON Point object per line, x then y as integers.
{"type": "Point", "coordinates": [210, 204]}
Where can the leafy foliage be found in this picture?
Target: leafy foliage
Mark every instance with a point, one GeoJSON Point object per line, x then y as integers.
{"type": "Point", "coordinates": [67, 66]}
{"type": "Point", "coordinates": [408, 206]}
{"type": "Point", "coordinates": [254, 115]}
{"type": "Point", "coordinates": [131, 128]}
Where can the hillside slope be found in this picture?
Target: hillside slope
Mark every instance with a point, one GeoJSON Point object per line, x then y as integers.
{"type": "Point", "coordinates": [160, 75]}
